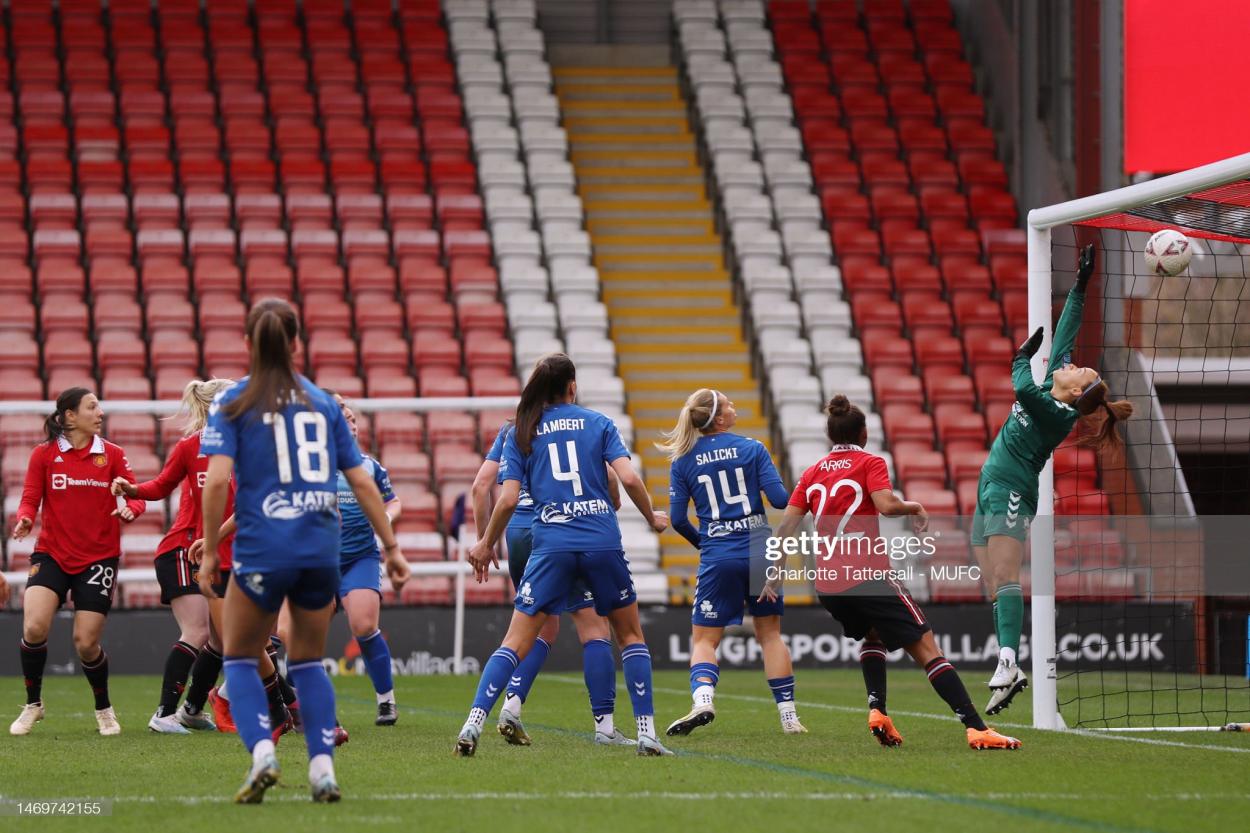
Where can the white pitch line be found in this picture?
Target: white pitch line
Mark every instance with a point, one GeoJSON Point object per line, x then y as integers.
{"type": "Point", "coordinates": [1085, 733]}
{"type": "Point", "coordinates": [602, 795]}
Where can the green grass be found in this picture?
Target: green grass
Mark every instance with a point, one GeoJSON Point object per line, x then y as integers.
{"type": "Point", "coordinates": [740, 770]}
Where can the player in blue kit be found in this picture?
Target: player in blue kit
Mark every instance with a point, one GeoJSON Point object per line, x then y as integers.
{"type": "Point", "coordinates": [560, 449]}
{"type": "Point", "coordinates": [598, 664]}
{"type": "Point", "coordinates": [724, 473]}
{"type": "Point", "coordinates": [360, 587]}
{"type": "Point", "coordinates": [283, 438]}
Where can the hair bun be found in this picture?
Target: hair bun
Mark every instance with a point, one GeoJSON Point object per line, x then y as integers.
{"type": "Point", "coordinates": [839, 405]}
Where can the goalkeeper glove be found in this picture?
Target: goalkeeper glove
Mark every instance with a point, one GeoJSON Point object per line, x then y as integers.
{"type": "Point", "coordinates": [1084, 267]}
{"type": "Point", "coordinates": [1030, 347]}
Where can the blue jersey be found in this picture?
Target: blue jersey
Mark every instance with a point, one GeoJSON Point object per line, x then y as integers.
{"type": "Point", "coordinates": [573, 508]}
{"type": "Point", "coordinates": [356, 538]}
{"type": "Point", "coordinates": [524, 514]}
{"type": "Point", "coordinates": [725, 474]}
{"type": "Point", "coordinates": [286, 500]}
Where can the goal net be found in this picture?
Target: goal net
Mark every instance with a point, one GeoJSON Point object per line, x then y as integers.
{"type": "Point", "coordinates": [1140, 586]}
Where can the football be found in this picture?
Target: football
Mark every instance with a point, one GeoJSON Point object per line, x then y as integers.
{"type": "Point", "coordinates": [1168, 252]}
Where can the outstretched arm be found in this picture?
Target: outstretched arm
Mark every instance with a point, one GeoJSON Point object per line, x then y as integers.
{"type": "Point", "coordinates": [1070, 319]}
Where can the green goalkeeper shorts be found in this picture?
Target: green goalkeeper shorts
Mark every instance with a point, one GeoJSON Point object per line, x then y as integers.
{"type": "Point", "coordinates": [1001, 511]}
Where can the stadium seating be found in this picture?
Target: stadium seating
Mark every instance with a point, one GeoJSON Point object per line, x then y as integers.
{"type": "Point", "coordinates": [877, 204]}
{"type": "Point", "coordinates": [176, 167]}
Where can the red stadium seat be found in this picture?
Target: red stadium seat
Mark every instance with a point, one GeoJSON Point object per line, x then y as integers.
{"type": "Point", "coordinates": [891, 389]}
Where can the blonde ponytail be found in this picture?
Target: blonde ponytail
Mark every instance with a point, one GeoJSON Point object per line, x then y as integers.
{"type": "Point", "coordinates": [197, 396]}
{"type": "Point", "coordinates": [696, 417]}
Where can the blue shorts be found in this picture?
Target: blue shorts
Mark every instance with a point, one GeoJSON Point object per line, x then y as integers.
{"type": "Point", "coordinates": [363, 573]}
{"type": "Point", "coordinates": [554, 582]}
{"type": "Point", "coordinates": [520, 545]}
{"type": "Point", "coordinates": [723, 592]}
{"type": "Point", "coordinates": [311, 588]}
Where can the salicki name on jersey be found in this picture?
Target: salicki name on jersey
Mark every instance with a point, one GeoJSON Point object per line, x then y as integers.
{"type": "Point", "coordinates": [716, 455]}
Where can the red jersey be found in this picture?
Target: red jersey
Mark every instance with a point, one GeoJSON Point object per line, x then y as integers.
{"type": "Point", "coordinates": [187, 467]}
{"type": "Point", "coordinates": [837, 491]}
{"type": "Point", "coordinates": [71, 487]}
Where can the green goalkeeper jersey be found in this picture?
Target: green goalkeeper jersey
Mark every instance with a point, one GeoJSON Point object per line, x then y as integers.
{"type": "Point", "coordinates": [1038, 422]}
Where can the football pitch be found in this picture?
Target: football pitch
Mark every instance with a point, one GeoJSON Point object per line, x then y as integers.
{"type": "Point", "coordinates": [739, 771]}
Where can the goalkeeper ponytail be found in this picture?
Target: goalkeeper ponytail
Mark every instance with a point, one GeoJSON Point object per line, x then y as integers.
{"type": "Point", "coordinates": [1100, 416]}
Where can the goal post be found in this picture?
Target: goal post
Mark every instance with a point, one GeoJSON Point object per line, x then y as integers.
{"type": "Point", "coordinates": [1131, 377]}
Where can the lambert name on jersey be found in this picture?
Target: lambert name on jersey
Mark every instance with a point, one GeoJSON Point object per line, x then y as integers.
{"type": "Point", "coordinates": [566, 424]}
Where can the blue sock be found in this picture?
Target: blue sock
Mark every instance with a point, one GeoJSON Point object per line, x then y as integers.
{"type": "Point", "coordinates": [599, 671]}
{"type": "Point", "coordinates": [783, 689]}
{"type": "Point", "coordinates": [316, 698]}
{"type": "Point", "coordinates": [704, 673]}
{"type": "Point", "coordinates": [495, 677]}
{"type": "Point", "coordinates": [522, 681]}
{"type": "Point", "coordinates": [636, 660]}
{"type": "Point", "coordinates": [377, 656]}
{"type": "Point", "coordinates": [248, 704]}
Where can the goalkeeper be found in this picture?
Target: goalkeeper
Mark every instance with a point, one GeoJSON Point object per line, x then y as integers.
{"type": "Point", "coordinates": [1041, 418]}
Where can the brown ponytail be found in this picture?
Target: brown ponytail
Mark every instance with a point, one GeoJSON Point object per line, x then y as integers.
{"type": "Point", "coordinates": [1093, 402]}
{"type": "Point", "coordinates": [547, 384]}
{"type": "Point", "coordinates": [846, 422]}
{"type": "Point", "coordinates": [69, 400]}
{"type": "Point", "coordinates": [272, 384]}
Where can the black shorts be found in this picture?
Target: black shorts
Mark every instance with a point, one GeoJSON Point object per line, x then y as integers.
{"type": "Point", "coordinates": [92, 589]}
{"type": "Point", "coordinates": [177, 575]}
{"type": "Point", "coordinates": [883, 606]}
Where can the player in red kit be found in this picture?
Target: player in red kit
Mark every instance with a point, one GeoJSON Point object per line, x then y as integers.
{"type": "Point", "coordinates": [845, 492]}
{"type": "Point", "coordinates": [78, 549]}
{"type": "Point", "coordinates": [198, 650]}
{"type": "Point", "coordinates": [177, 572]}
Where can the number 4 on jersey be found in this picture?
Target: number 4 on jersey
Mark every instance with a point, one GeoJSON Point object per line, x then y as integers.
{"type": "Point", "coordinates": [572, 473]}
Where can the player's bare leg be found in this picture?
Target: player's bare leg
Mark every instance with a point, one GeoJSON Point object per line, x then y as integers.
{"type": "Point", "coordinates": [779, 671]}
{"type": "Point", "coordinates": [39, 605]}
{"type": "Point", "coordinates": [1005, 556]}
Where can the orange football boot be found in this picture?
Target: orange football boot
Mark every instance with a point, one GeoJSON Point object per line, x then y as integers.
{"type": "Point", "coordinates": [882, 728]}
{"type": "Point", "coordinates": [990, 739]}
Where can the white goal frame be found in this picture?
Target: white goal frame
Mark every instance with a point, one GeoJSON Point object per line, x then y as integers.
{"type": "Point", "coordinates": [1040, 221]}
{"type": "Point", "coordinates": [457, 568]}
